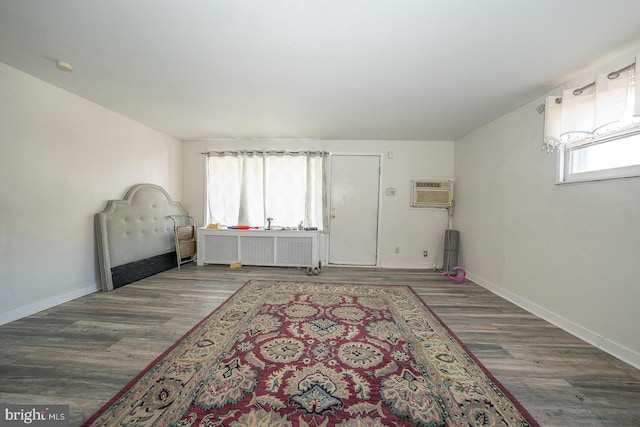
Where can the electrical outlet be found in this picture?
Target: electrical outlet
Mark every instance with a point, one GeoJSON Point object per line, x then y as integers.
{"type": "Point", "coordinates": [425, 254]}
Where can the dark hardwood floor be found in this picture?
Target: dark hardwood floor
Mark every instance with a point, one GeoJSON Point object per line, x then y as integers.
{"type": "Point", "coordinates": [83, 352]}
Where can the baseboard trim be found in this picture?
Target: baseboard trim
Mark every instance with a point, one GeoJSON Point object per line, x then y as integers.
{"type": "Point", "coordinates": [46, 303]}
{"type": "Point", "coordinates": [407, 265]}
{"type": "Point", "coordinates": [616, 350]}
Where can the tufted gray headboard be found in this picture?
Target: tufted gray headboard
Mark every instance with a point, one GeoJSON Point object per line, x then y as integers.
{"type": "Point", "coordinates": [135, 236]}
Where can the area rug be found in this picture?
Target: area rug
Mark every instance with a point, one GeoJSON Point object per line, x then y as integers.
{"type": "Point", "coordinates": [311, 354]}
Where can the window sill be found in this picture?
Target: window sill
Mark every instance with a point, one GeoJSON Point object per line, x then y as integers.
{"type": "Point", "coordinates": [598, 176]}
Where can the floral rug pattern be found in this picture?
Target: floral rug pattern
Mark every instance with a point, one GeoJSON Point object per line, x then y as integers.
{"type": "Point", "coordinates": [312, 354]}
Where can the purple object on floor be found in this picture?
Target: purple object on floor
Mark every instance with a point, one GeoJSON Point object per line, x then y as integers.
{"type": "Point", "coordinates": [458, 275]}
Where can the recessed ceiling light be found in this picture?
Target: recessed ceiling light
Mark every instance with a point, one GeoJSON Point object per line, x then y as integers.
{"type": "Point", "coordinates": [64, 66]}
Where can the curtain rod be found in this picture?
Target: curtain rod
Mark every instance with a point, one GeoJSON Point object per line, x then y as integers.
{"type": "Point", "coordinates": [262, 152]}
{"type": "Point", "coordinates": [611, 76]}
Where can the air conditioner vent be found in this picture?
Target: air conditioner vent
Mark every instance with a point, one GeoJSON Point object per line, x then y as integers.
{"type": "Point", "coordinates": [431, 194]}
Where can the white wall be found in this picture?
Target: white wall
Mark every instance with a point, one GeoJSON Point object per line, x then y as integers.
{"type": "Point", "coordinates": [568, 253]}
{"type": "Point", "coordinates": [61, 158]}
{"type": "Point", "coordinates": [412, 230]}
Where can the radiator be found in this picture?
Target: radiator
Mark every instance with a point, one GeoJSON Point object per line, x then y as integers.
{"type": "Point", "coordinates": [258, 247]}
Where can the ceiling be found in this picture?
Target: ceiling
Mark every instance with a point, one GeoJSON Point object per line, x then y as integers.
{"type": "Point", "coordinates": [327, 69]}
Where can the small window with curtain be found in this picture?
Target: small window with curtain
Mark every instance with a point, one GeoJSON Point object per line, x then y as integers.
{"type": "Point", "coordinates": [595, 129]}
{"type": "Point", "coordinates": [281, 189]}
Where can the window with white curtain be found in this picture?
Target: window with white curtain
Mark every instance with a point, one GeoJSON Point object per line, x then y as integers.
{"type": "Point", "coordinates": [247, 187]}
{"type": "Point", "coordinates": [596, 128]}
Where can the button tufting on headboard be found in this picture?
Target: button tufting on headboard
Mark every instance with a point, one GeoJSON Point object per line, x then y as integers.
{"type": "Point", "coordinates": [135, 229]}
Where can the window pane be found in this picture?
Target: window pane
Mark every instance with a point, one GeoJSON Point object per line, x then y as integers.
{"type": "Point", "coordinates": [252, 192]}
{"type": "Point", "coordinates": [223, 186]}
{"type": "Point", "coordinates": [285, 191]}
{"type": "Point", "coordinates": [607, 155]}
{"type": "Point", "coordinates": [235, 190]}
{"type": "Point", "coordinates": [315, 187]}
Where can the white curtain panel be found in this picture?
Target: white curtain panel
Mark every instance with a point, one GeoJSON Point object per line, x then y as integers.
{"type": "Point", "coordinates": [224, 181]}
{"type": "Point", "coordinates": [286, 186]}
{"type": "Point", "coordinates": [609, 106]}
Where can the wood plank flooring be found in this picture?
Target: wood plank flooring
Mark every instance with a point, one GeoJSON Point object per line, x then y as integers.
{"type": "Point", "coordinates": [83, 352]}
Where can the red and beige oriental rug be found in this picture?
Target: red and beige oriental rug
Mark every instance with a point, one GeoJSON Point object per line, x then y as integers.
{"type": "Point", "coordinates": [312, 354]}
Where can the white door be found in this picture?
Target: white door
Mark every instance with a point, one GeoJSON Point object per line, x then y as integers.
{"type": "Point", "coordinates": [353, 209]}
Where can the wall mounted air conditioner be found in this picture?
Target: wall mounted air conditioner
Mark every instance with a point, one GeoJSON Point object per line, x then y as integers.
{"type": "Point", "coordinates": [431, 194]}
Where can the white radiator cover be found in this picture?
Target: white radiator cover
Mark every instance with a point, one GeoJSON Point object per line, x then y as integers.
{"type": "Point", "coordinates": [258, 247]}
